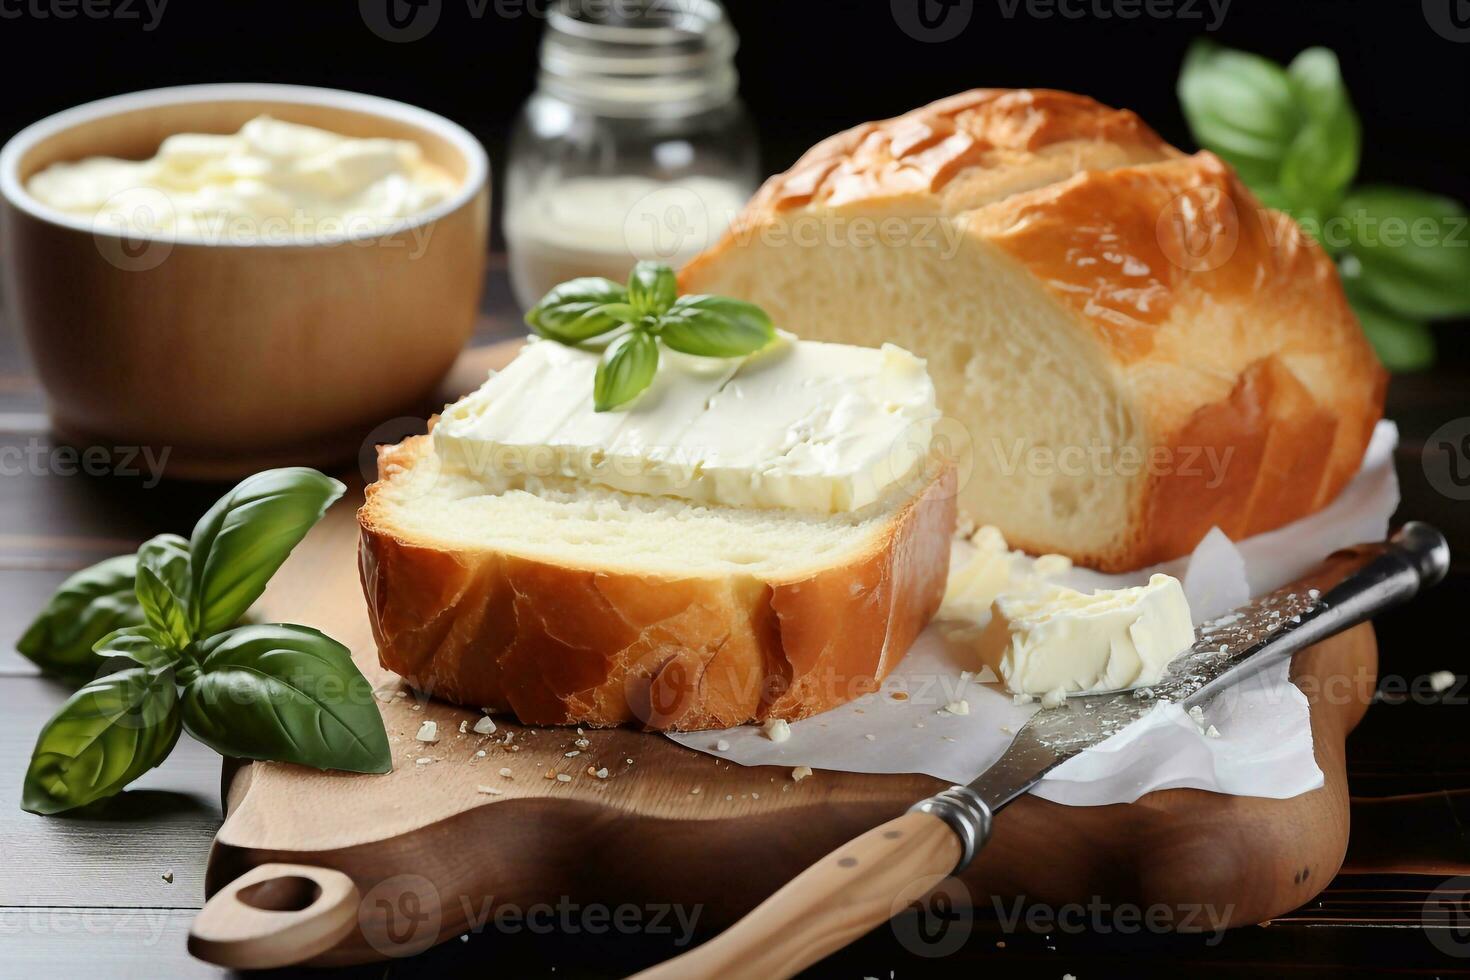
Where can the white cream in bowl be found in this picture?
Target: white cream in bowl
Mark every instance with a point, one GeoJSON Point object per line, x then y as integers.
{"type": "Point", "coordinates": [272, 180]}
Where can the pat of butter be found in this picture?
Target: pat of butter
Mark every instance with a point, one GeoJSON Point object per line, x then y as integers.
{"type": "Point", "coordinates": [1061, 640]}
{"type": "Point", "coordinates": [801, 425]}
{"type": "Point", "coordinates": [271, 180]}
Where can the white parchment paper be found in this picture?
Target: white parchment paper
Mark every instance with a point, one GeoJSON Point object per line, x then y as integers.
{"type": "Point", "coordinates": [1264, 746]}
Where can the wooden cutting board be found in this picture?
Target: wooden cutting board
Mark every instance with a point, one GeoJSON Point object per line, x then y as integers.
{"type": "Point", "coordinates": [333, 868]}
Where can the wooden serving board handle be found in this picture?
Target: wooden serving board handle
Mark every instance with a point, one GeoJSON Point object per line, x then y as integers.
{"type": "Point", "coordinates": [275, 915]}
{"type": "Point", "coordinates": [859, 886]}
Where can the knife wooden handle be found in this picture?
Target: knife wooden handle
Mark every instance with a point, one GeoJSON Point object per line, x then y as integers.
{"type": "Point", "coordinates": [862, 884]}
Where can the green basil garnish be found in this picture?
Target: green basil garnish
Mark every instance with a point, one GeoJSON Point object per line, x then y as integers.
{"type": "Point", "coordinates": [105, 736]}
{"type": "Point", "coordinates": [713, 326]}
{"type": "Point", "coordinates": [1292, 134]}
{"type": "Point", "coordinates": [143, 645]}
{"type": "Point", "coordinates": [240, 543]}
{"type": "Point", "coordinates": [163, 587]}
{"type": "Point", "coordinates": [87, 606]}
{"type": "Point", "coordinates": [286, 693]}
{"type": "Point", "coordinates": [649, 309]}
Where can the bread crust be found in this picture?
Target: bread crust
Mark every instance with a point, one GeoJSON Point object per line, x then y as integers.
{"type": "Point", "coordinates": [1223, 326]}
{"type": "Point", "coordinates": [562, 645]}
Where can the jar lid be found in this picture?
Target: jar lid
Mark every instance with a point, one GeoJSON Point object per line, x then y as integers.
{"type": "Point", "coordinates": [640, 57]}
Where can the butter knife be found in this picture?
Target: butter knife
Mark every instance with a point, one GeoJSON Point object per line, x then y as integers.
{"type": "Point", "coordinates": [869, 879]}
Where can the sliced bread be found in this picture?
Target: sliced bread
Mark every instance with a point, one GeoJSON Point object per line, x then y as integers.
{"type": "Point", "coordinates": [1129, 347]}
{"type": "Point", "coordinates": [570, 604]}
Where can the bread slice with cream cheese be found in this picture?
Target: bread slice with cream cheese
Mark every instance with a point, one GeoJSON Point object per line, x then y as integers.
{"type": "Point", "coordinates": [591, 606]}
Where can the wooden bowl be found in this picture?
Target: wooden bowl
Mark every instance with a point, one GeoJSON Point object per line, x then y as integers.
{"type": "Point", "coordinates": [238, 356]}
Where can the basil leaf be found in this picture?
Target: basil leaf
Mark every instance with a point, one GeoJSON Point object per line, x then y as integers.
{"type": "Point", "coordinates": [87, 606]}
{"type": "Point", "coordinates": [713, 326]}
{"type": "Point", "coordinates": [143, 645]}
{"type": "Point", "coordinates": [579, 309]}
{"type": "Point", "coordinates": [105, 736]}
{"type": "Point", "coordinates": [163, 587]}
{"type": "Point", "coordinates": [652, 288]}
{"type": "Point", "coordinates": [626, 368]}
{"type": "Point", "coordinates": [238, 545]}
{"type": "Point", "coordinates": [1414, 249]}
{"type": "Point", "coordinates": [288, 694]}
{"type": "Point", "coordinates": [1240, 106]}
{"type": "Point", "coordinates": [1323, 156]}
{"type": "Point", "coordinates": [1402, 344]}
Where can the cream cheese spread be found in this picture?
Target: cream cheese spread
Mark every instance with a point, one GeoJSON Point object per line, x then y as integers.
{"type": "Point", "coordinates": [1060, 641]}
{"type": "Point", "coordinates": [801, 425]}
{"type": "Point", "coordinates": [272, 179]}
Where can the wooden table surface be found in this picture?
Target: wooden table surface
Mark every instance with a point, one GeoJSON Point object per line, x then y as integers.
{"type": "Point", "coordinates": [93, 897]}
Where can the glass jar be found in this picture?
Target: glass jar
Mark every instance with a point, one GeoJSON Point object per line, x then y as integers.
{"type": "Point", "coordinates": [633, 146]}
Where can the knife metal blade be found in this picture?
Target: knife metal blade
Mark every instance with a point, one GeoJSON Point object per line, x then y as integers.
{"type": "Point", "coordinates": [1348, 588]}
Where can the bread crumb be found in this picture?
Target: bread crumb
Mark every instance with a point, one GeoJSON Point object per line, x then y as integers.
{"type": "Point", "coordinates": [694, 791]}
{"type": "Point", "coordinates": [1212, 732]}
{"type": "Point", "coordinates": [601, 773]}
{"type": "Point", "coordinates": [485, 726]}
{"type": "Point", "coordinates": [1007, 729]}
{"type": "Point", "coordinates": [423, 760]}
{"type": "Point", "coordinates": [755, 796]}
{"type": "Point", "coordinates": [628, 761]}
{"type": "Point", "coordinates": [1441, 681]}
{"type": "Point", "coordinates": [168, 876]}
{"type": "Point", "coordinates": [463, 726]}
{"type": "Point", "coordinates": [428, 732]}
{"type": "Point", "coordinates": [899, 695]}
{"type": "Point", "coordinates": [562, 777]}
{"type": "Point", "coordinates": [776, 729]}
{"type": "Point", "coordinates": [551, 774]}
{"type": "Point", "coordinates": [722, 746]}
{"type": "Point", "coordinates": [487, 790]}
{"type": "Point", "coordinates": [572, 754]}
{"type": "Point", "coordinates": [415, 707]}
{"type": "Point", "coordinates": [582, 743]}
{"type": "Point", "coordinates": [480, 754]}
{"type": "Point", "coordinates": [871, 737]}
{"type": "Point", "coordinates": [1054, 698]}
{"type": "Point", "coordinates": [800, 773]}
{"type": "Point", "coordinates": [960, 707]}
{"type": "Point", "coordinates": [966, 676]}
{"type": "Point", "coordinates": [729, 796]}
{"type": "Point", "coordinates": [1022, 698]}
{"type": "Point", "coordinates": [506, 772]}
{"type": "Point", "coordinates": [1197, 715]}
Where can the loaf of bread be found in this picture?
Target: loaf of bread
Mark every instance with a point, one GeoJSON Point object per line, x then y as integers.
{"type": "Point", "coordinates": [1128, 346]}
{"type": "Point", "coordinates": [583, 605]}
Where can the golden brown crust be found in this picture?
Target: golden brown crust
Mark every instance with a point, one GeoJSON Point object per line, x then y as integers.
{"type": "Point", "coordinates": [558, 645]}
{"type": "Point", "coordinates": [1222, 324]}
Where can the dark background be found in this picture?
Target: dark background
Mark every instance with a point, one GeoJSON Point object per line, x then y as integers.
{"type": "Point", "coordinates": [808, 67]}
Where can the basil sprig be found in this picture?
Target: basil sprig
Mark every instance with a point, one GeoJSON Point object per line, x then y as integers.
{"type": "Point", "coordinates": [647, 310]}
{"type": "Point", "coordinates": [87, 607]}
{"type": "Point", "coordinates": [160, 627]}
{"type": "Point", "coordinates": [1293, 136]}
